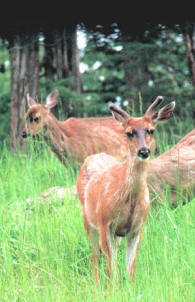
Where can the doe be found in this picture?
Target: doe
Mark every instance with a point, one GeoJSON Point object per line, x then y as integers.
{"type": "Point", "coordinates": [76, 137]}
{"type": "Point", "coordinates": [114, 195]}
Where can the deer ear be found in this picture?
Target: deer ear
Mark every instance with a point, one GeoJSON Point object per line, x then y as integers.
{"type": "Point", "coordinates": [163, 114]}
{"type": "Point", "coordinates": [52, 99]}
{"type": "Point", "coordinates": [30, 100]}
{"type": "Point", "coordinates": [119, 114]}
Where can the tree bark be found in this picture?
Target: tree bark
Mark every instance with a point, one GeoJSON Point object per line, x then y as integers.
{"type": "Point", "coordinates": [34, 68]}
{"type": "Point", "coordinates": [15, 66]}
{"type": "Point", "coordinates": [73, 56]}
{"type": "Point", "coordinates": [63, 63]}
{"type": "Point", "coordinates": [24, 59]}
{"type": "Point", "coordinates": [188, 34]}
{"type": "Point", "coordinates": [59, 55]}
{"type": "Point", "coordinates": [67, 61]}
{"type": "Point", "coordinates": [48, 59]}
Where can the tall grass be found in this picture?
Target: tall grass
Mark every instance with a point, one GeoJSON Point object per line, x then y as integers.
{"type": "Point", "coordinates": [45, 254]}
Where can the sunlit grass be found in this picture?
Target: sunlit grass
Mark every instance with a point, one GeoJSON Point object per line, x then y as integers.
{"type": "Point", "coordinates": [45, 254]}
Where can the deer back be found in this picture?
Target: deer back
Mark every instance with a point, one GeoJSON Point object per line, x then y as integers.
{"type": "Point", "coordinates": [95, 135]}
{"type": "Point", "coordinates": [175, 167]}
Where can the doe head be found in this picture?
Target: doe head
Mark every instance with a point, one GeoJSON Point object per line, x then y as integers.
{"type": "Point", "coordinates": [37, 114]}
{"type": "Point", "coordinates": [140, 131]}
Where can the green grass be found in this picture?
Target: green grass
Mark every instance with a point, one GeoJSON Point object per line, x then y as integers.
{"type": "Point", "coordinates": [45, 254]}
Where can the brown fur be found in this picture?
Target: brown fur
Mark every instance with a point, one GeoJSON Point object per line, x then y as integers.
{"type": "Point", "coordinates": [174, 168]}
{"type": "Point", "coordinates": [114, 195]}
{"type": "Point", "coordinates": [80, 137]}
{"type": "Point", "coordinates": [75, 137]}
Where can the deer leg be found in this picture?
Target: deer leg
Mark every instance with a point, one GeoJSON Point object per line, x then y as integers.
{"type": "Point", "coordinates": [105, 245]}
{"type": "Point", "coordinates": [113, 242]}
{"type": "Point", "coordinates": [133, 241]}
{"type": "Point", "coordinates": [86, 224]}
{"type": "Point", "coordinates": [94, 238]}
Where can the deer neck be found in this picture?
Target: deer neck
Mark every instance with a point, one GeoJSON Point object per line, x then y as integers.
{"type": "Point", "coordinates": [136, 173]}
{"type": "Point", "coordinates": [55, 137]}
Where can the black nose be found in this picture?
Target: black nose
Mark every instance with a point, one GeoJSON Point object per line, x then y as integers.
{"type": "Point", "coordinates": [24, 134]}
{"type": "Point", "coordinates": [144, 153]}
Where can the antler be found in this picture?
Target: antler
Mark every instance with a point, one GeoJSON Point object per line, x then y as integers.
{"type": "Point", "coordinates": [119, 111]}
{"type": "Point", "coordinates": [154, 105]}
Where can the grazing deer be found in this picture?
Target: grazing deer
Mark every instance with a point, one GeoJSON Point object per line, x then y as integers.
{"type": "Point", "coordinates": [174, 168]}
{"type": "Point", "coordinates": [115, 195]}
{"type": "Point", "coordinates": [75, 137]}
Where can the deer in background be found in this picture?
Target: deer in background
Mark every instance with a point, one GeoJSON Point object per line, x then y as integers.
{"type": "Point", "coordinates": [114, 195]}
{"type": "Point", "coordinates": [80, 137]}
{"type": "Point", "coordinates": [174, 168]}
{"type": "Point", "coordinates": [75, 137]}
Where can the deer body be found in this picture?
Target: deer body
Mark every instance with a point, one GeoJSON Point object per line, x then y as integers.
{"type": "Point", "coordinates": [75, 137]}
{"type": "Point", "coordinates": [115, 195]}
{"type": "Point", "coordinates": [175, 168]}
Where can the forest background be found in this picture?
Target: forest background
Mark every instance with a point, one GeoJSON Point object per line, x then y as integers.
{"type": "Point", "coordinates": [45, 254]}
{"type": "Point", "coordinates": [116, 64]}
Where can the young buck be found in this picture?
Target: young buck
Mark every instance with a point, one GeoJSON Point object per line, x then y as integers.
{"type": "Point", "coordinates": [75, 137]}
{"type": "Point", "coordinates": [114, 195]}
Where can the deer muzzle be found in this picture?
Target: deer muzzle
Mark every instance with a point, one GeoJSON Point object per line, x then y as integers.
{"type": "Point", "coordinates": [24, 134]}
{"type": "Point", "coordinates": [143, 153]}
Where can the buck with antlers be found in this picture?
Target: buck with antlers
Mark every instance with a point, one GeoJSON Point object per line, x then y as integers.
{"type": "Point", "coordinates": [80, 137]}
{"type": "Point", "coordinates": [114, 195]}
{"type": "Point", "coordinates": [75, 137]}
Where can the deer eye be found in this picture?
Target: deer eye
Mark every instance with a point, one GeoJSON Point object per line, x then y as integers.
{"type": "Point", "coordinates": [150, 132]}
{"type": "Point", "coordinates": [36, 119]}
{"type": "Point", "coordinates": [131, 134]}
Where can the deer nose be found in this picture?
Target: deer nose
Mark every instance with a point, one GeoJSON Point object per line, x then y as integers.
{"type": "Point", "coordinates": [144, 153]}
{"type": "Point", "coordinates": [24, 134]}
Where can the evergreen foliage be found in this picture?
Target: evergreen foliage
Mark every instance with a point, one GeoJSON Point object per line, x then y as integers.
{"type": "Point", "coordinates": [128, 70]}
{"type": "Point", "coordinates": [151, 66]}
{"type": "Point", "coordinates": [45, 252]}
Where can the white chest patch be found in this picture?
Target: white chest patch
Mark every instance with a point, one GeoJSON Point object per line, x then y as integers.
{"type": "Point", "coordinates": [147, 198]}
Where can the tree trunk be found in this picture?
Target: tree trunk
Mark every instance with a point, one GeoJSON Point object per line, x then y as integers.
{"type": "Point", "coordinates": [15, 101]}
{"type": "Point", "coordinates": [65, 54]}
{"type": "Point", "coordinates": [24, 58]}
{"type": "Point", "coordinates": [61, 55]}
{"type": "Point", "coordinates": [48, 59]}
{"type": "Point", "coordinates": [74, 60]}
{"type": "Point", "coordinates": [67, 61]}
{"type": "Point", "coordinates": [188, 34]}
{"type": "Point", "coordinates": [34, 69]}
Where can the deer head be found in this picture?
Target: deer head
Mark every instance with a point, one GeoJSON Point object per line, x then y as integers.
{"type": "Point", "coordinates": [140, 131]}
{"type": "Point", "coordinates": [37, 114]}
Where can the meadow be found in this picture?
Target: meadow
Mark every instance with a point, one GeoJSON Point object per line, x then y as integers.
{"type": "Point", "coordinates": [45, 254]}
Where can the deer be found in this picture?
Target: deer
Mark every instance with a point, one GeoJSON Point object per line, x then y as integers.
{"type": "Point", "coordinates": [114, 195]}
{"type": "Point", "coordinates": [174, 168]}
{"type": "Point", "coordinates": [76, 137]}
{"type": "Point", "coordinates": [67, 138]}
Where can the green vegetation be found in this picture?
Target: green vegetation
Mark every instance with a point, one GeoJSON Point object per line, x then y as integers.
{"type": "Point", "coordinates": [115, 67]}
{"type": "Point", "coordinates": [45, 254]}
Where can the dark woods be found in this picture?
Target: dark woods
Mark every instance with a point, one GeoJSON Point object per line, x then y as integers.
{"type": "Point", "coordinates": [40, 57]}
{"type": "Point", "coordinates": [117, 64]}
